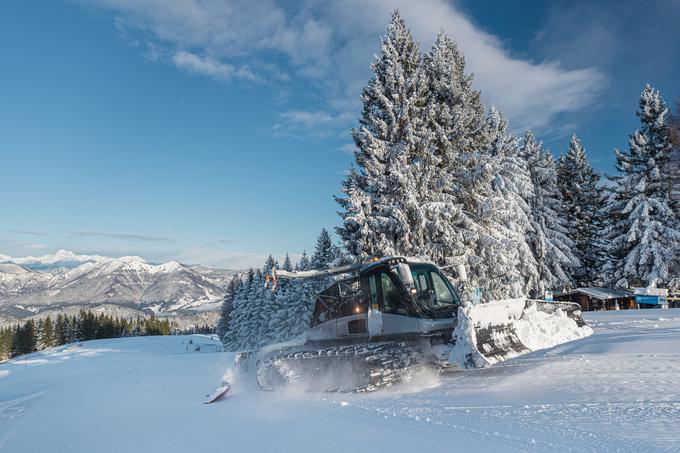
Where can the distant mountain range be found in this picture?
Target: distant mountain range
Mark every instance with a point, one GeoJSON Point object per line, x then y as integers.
{"type": "Point", "coordinates": [125, 286]}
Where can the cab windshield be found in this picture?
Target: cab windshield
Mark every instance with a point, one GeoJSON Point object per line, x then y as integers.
{"type": "Point", "coordinates": [433, 289]}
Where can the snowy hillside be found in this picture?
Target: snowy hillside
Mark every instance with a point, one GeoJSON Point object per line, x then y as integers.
{"type": "Point", "coordinates": [32, 285]}
{"type": "Point", "coordinates": [617, 390]}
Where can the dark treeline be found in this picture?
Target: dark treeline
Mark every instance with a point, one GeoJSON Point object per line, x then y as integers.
{"type": "Point", "coordinates": [45, 333]}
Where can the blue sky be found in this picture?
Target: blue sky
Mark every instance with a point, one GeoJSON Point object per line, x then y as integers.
{"type": "Point", "coordinates": [216, 132]}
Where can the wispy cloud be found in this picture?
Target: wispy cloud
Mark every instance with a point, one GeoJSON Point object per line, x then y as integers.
{"type": "Point", "coordinates": [330, 45]}
{"type": "Point", "coordinates": [226, 241]}
{"type": "Point", "coordinates": [348, 148]}
{"type": "Point", "coordinates": [318, 123]}
{"type": "Point", "coordinates": [20, 244]}
{"type": "Point", "coordinates": [124, 236]}
{"type": "Point", "coordinates": [210, 67]}
{"type": "Point", "coordinates": [27, 232]}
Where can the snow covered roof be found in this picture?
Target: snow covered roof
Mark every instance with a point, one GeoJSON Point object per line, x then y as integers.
{"type": "Point", "coordinates": [601, 293]}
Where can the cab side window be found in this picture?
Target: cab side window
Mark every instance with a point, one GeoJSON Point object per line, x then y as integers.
{"type": "Point", "coordinates": [373, 292]}
{"type": "Point", "coordinates": [441, 291]}
{"type": "Point", "coordinates": [393, 301]}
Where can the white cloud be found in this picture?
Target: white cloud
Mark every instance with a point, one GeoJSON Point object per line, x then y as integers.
{"type": "Point", "coordinates": [348, 148]}
{"type": "Point", "coordinates": [330, 45]}
{"type": "Point", "coordinates": [210, 67]}
{"type": "Point", "coordinates": [123, 236]}
{"type": "Point", "coordinates": [27, 232]}
{"type": "Point", "coordinates": [14, 244]}
{"type": "Point", "coordinates": [318, 123]}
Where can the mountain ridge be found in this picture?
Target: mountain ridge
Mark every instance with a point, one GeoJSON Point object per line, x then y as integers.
{"type": "Point", "coordinates": [30, 286]}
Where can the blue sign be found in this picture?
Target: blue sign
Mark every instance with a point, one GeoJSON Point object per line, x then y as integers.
{"type": "Point", "coordinates": [477, 295]}
{"type": "Point", "coordinates": [651, 300]}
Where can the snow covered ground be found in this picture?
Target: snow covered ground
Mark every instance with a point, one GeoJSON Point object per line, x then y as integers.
{"type": "Point", "coordinates": [618, 390]}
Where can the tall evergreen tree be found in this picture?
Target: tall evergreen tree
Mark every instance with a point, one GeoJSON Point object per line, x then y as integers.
{"type": "Point", "coordinates": [287, 264]}
{"type": "Point", "coordinates": [324, 252]}
{"type": "Point", "coordinates": [379, 209]}
{"type": "Point", "coordinates": [511, 269]}
{"type": "Point", "coordinates": [6, 342]}
{"type": "Point", "coordinates": [583, 203]}
{"type": "Point", "coordinates": [263, 307]}
{"type": "Point", "coordinates": [239, 316]}
{"type": "Point", "coordinates": [454, 131]}
{"type": "Point", "coordinates": [304, 263]}
{"type": "Point", "coordinates": [644, 236]}
{"type": "Point", "coordinates": [73, 331]}
{"type": "Point", "coordinates": [548, 236]}
{"type": "Point", "coordinates": [59, 330]}
{"type": "Point", "coordinates": [38, 334]}
{"type": "Point", "coordinates": [227, 307]}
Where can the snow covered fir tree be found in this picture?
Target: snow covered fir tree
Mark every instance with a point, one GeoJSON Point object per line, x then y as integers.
{"type": "Point", "coordinates": [644, 231]}
{"type": "Point", "coordinates": [582, 207]}
{"type": "Point", "coordinates": [548, 236]}
{"type": "Point", "coordinates": [383, 216]}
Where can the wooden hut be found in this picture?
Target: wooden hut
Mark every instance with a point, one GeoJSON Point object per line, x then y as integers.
{"type": "Point", "coordinates": [593, 298]}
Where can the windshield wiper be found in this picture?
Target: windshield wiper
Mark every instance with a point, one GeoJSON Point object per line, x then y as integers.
{"type": "Point", "coordinates": [425, 307]}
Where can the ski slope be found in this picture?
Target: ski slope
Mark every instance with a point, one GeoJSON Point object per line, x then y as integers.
{"type": "Point", "coordinates": [618, 390]}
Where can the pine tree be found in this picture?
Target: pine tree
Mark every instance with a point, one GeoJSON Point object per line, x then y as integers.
{"type": "Point", "coordinates": [17, 341]}
{"type": "Point", "coordinates": [583, 203]}
{"type": "Point", "coordinates": [548, 235]}
{"type": "Point", "coordinates": [644, 236]}
{"type": "Point", "coordinates": [262, 308]}
{"type": "Point", "coordinates": [324, 252]}
{"type": "Point", "coordinates": [227, 307]}
{"type": "Point", "coordinates": [379, 208]}
{"type": "Point", "coordinates": [59, 331]}
{"type": "Point", "coordinates": [509, 267]}
{"type": "Point", "coordinates": [48, 334]}
{"type": "Point", "coordinates": [454, 131]}
{"type": "Point", "coordinates": [31, 337]}
{"type": "Point", "coordinates": [287, 264]}
{"type": "Point", "coordinates": [6, 342]}
{"type": "Point", "coordinates": [38, 334]}
{"type": "Point", "coordinates": [304, 263]}
{"type": "Point", "coordinates": [236, 332]}
{"type": "Point", "coordinates": [73, 331]}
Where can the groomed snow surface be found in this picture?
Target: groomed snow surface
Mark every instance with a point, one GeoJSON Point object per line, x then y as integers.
{"type": "Point", "coordinates": [617, 390]}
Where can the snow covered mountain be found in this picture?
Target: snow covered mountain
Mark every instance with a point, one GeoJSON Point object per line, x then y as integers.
{"type": "Point", "coordinates": [61, 260]}
{"type": "Point", "coordinates": [126, 285]}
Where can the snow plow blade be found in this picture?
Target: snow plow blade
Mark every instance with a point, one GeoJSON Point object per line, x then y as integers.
{"type": "Point", "coordinates": [500, 330]}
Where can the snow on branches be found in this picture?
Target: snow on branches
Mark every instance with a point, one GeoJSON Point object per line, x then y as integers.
{"type": "Point", "coordinates": [644, 231]}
